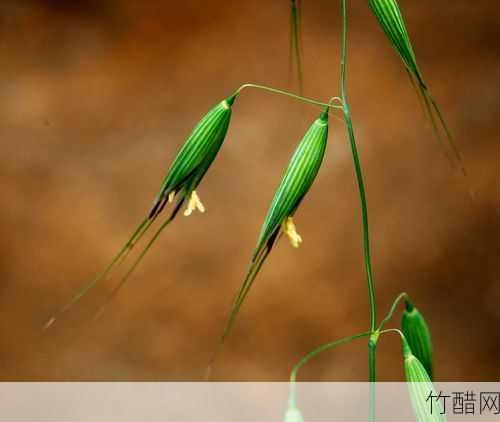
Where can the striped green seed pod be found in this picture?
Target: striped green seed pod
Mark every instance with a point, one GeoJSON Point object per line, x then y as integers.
{"type": "Point", "coordinates": [298, 178]}
{"type": "Point", "coordinates": [194, 158]}
{"type": "Point", "coordinates": [293, 415]}
{"type": "Point", "coordinates": [420, 389]}
{"type": "Point", "coordinates": [186, 172]}
{"type": "Point", "coordinates": [418, 335]}
{"type": "Point", "coordinates": [390, 18]}
{"type": "Point", "coordinates": [392, 22]}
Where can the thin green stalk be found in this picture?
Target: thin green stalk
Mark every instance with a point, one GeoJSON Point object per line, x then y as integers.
{"type": "Point", "coordinates": [364, 211]}
{"type": "Point", "coordinates": [359, 174]}
{"type": "Point", "coordinates": [288, 94]}
{"type": "Point", "coordinates": [362, 194]}
{"type": "Point", "coordinates": [372, 348]}
{"type": "Point", "coordinates": [314, 353]}
{"type": "Point", "coordinates": [372, 344]}
{"type": "Point", "coordinates": [295, 40]}
{"type": "Point", "coordinates": [394, 330]}
{"type": "Point", "coordinates": [392, 310]}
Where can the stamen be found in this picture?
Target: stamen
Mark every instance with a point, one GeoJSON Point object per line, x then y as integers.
{"type": "Point", "coordinates": [290, 230]}
{"type": "Point", "coordinates": [171, 197]}
{"type": "Point", "coordinates": [194, 204]}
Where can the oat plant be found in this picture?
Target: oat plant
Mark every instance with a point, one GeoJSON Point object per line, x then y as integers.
{"type": "Point", "coordinates": [414, 332]}
{"type": "Point", "coordinates": [198, 153]}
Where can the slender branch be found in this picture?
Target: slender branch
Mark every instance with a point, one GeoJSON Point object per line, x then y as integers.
{"type": "Point", "coordinates": [372, 348]}
{"type": "Point", "coordinates": [406, 347]}
{"type": "Point", "coordinates": [393, 309]}
{"type": "Point", "coordinates": [364, 208]}
{"type": "Point", "coordinates": [295, 42]}
{"type": "Point", "coordinates": [314, 353]}
{"type": "Point", "coordinates": [359, 174]}
{"type": "Point", "coordinates": [289, 94]}
{"type": "Point", "coordinates": [394, 330]}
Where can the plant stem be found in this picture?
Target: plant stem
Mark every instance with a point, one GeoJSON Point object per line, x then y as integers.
{"type": "Point", "coordinates": [404, 342]}
{"type": "Point", "coordinates": [295, 39]}
{"type": "Point", "coordinates": [372, 348]}
{"type": "Point", "coordinates": [312, 354]}
{"type": "Point", "coordinates": [361, 188]}
{"type": "Point", "coordinates": [364, 210]}
{"type": "Point", "coordinates": [288, 94]}
{"type": "Point", "coordinates": [394, 330]}
{"type": "Point", "coordinates": [359, 174]}
{"type": "Point", "coordinates": [393, 309]}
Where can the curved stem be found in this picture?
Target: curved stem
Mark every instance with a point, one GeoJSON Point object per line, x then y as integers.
{"type": "Point", "coordinates": [359, 174]}
{"type": "Point", "coordinates": [406, 347]}
{"type": "Point", "coordinates": [288, 94]}
{"type": "Point", "coordinates": [393, 309]}
{"type": "Point", "coordinates": [362, 195]}
{"type": "Point", "coordinates": [394, 330]}
{"type": "Point", "coordinates": [314, 353]}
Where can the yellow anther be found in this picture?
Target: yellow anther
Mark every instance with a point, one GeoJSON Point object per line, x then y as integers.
{"type": "Point", "coordinates": [194, 204]}
{"type": "Point", "coordinates": [171, 196]}
{"type": "Point", "coordinates": [290, 230]}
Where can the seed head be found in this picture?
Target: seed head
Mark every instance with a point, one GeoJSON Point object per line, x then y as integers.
{"type": "Point", "coordinates": [420, 388]}
{"type": "Point", "coordinates": [296, 181]}
{"type": "Point", "coordinates": [390, 18]}
{"type": "Point", "coordinates": [194, 158]}
{"type": "Point", "coordinates": [186, 172]}
{"type": "Point", "coordinates": [418, 335]}
{"type": "Point", "coordinates": [392, 22]}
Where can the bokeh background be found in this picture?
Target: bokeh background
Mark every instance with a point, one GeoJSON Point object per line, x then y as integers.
{"type": "Point", "coordinates": [97, 96]}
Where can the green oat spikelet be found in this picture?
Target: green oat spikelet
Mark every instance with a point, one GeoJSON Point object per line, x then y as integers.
{"type": "Point", "coordinates": [418, 335]}
{"type": "Point", "coordinates": [194, 158]}
{"type": "Point", "coordinates": [419, 388]}
{"type": "Point", "coordinates": [390, 18]}
{"type": "Point", "coordinates": [184, 175]}
{"type": "Point", "coordinates": [296, 181]}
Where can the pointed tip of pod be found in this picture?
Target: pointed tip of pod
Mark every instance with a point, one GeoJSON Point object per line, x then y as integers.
{"type": "Point", "coordinates": [409, 305]}
{"type": "Point", "coordinates": [324, 114]}
{"type": "Point", "coordinates": [418, 335]}
{"type": "Point", "coordinates": [230, 100]}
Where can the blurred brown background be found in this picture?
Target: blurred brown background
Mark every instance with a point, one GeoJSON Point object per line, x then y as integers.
{"type": "Point", "coordinates": [97, 96]}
